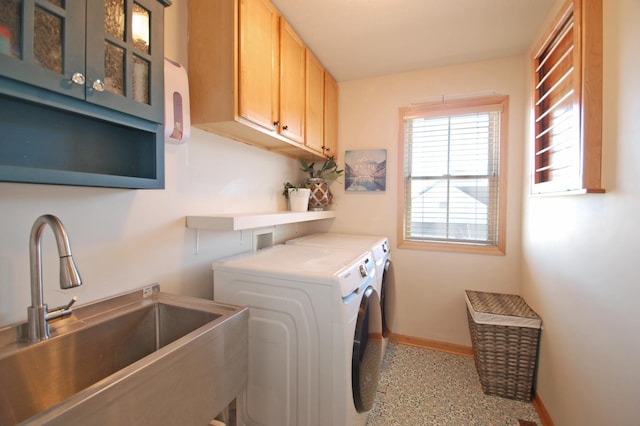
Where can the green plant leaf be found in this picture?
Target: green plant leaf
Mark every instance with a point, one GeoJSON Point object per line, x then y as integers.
{"type": "Point", "coordinates": [327, 170]}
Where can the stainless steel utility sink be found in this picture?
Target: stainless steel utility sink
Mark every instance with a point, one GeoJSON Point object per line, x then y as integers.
{"type": "Point", "coordinates": [160, 359]}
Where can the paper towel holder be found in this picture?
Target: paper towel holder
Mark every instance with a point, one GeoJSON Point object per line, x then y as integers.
{"type": "Point", "coordinates": [177, 114]}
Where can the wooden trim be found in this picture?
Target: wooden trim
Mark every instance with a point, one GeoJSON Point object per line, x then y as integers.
{"type": "Point", "coordinates": [545, 418]}
{"type": "Point", "coordinates": [592, 71]}
{"type": "Point", "coordinates": [400, 182]}
{"type": "Point", "coordinates": [491, 103]}
{"type": "Point", "coordinates": [497, 250]}
{"type": "Point", "coordinates": [434, 345]}
{"type": "Point", "coordinates": [571, 192]}
{"type": "Point", "coordinates": [563, 14]}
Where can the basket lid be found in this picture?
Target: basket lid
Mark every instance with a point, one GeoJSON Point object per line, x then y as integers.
{"type": "Point", "coordinates": [501, 309]}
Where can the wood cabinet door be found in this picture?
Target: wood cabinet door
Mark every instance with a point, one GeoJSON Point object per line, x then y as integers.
{"type": "Point", "coordinates": [330, 116]}
{"type": "Point", "coordinates": [258, 67]}
{"type": "Point", "coordinates": [292, 83]}
{"type": "Point", "coordinates": [314, 103]}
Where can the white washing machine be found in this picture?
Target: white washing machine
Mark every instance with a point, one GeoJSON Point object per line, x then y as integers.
{"type": "Point", "coordinates": [380, 251]}
{"type": "Point", "coordinates": [314, 315]}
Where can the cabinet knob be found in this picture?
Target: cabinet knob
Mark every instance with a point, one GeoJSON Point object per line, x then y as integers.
{"type": "Point", "coordinates": [78, 78]}
{"type": "Point", "coordinates": [285, 128]}
{"type": "Point", "coordinates": [98, 85]}
{"type": "Point", "coordinates": [276, 124]}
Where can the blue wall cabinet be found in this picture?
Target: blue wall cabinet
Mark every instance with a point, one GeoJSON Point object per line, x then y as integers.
{"type": "Point", "coordinates": [82, 86]}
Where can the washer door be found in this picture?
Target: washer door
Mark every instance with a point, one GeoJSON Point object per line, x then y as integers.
{"type": "Point", "coordinates": [385, 276]}
{"type": "Point", "coordinates": [367, 351]}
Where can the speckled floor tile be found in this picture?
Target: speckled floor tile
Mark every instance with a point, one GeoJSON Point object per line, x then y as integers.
{"type": "Point", "coordinates": [422, 387]}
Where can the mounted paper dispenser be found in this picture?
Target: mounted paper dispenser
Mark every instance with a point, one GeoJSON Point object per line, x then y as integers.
{"type": "Point", "coordinates": [177, 116]}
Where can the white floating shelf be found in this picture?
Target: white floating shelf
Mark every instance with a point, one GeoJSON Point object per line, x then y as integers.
{"type": "Point", "coordinates": [237, 222]}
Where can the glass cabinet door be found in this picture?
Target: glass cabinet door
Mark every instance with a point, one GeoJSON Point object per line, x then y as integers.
{"type": "Point", "coordinates": [42, 43]}
{"type": "Point", "coordinates": [124, 56]}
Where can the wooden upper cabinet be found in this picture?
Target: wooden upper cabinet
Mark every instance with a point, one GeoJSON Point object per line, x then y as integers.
{"type": "Point", "coordinates": [292, 83]}
{"type": "Point", "coordinates": [314, 110]}
{"type": "Point", "coordinates": [330, 116]}
{"type": "Point", "coordinates": [258, 71]}
{"type": "Point", "coordinates": [247, 77]}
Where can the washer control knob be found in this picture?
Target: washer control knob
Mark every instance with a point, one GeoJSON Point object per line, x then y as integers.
{"type": "Point", "coordinates": [363, 271]}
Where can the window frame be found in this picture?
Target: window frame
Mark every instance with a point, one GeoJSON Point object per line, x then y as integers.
{"type": "Point", "coordinates": [587, 104]}
{"type": "Point", "coordinates": [458, 107]}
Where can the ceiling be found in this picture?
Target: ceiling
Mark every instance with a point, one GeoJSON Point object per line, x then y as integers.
{"type": "Point", "coordinates": [357, 39]}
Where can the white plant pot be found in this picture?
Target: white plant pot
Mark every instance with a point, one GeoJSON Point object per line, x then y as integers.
{"type": "Point", "coordinates": [299, 199]}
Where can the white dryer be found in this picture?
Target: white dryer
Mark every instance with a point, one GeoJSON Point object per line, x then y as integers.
{"type": "Point", "coordinates": [312, 311]}
{"type": "Point", "coordinates": [380, 251]}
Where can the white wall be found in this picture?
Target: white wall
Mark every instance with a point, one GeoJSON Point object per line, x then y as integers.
{"type": "Point", "coordinates": [125, 239]}
{"type": "Point", "coordinates": [580, 258]}
{"type": "Point", "coordinates": [428, 298]}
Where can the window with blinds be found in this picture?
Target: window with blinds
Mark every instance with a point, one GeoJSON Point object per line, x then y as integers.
{"type": "Point", "coordinates": [452, 184]}
{"type": "Point", "coordinates": [567, 102]}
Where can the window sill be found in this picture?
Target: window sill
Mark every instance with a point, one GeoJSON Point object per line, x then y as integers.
{"type": "Point", "coordinates": [452, 247]}
{"type": "Point", "coordinates": [560, 193]}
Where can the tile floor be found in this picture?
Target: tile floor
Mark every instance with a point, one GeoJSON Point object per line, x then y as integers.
{"type": "Point", "coordinates": [420, 387]}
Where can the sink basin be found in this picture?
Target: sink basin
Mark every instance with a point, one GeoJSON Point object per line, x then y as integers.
{"type": "Point", "coordinates": [162, 359]}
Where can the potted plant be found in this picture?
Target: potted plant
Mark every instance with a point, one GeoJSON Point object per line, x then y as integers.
{"type": "Point", "coordinates": [288, 185]}
{"type": "Point", "coordinates": [321, 175]}
{"type": "Point", "coordinates": [297, 196]}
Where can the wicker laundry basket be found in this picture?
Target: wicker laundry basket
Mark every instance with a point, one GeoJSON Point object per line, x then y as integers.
{"type": "Point", "coordinates": [505, 333]}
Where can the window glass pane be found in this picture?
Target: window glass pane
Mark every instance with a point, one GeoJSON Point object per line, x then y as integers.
{"type": "Point", "coordinates": [451, 209]}
{"type": "Point", "coordinates": [469, 144]}
{"type": "Point", "coordinates": [451, 178]}
{"type": "Point", "coordinates": [47, 40]}
{"type": "Point", "coordinates": [429, 152]}
{"type": "Point", "coordinates": [114, 69]}
{"type": "Point", "coordinates": [140, 80]}
{"type": "Point", "coordinates": [114, 18]}
{"type": "Point", "coordinates": [10, 28]}
{"type": "Point", "coordinates": [140, 30]}
{"type": "Point", "coordinates": [469, 212]}
{"type": "Point", "coordinates": [428, 208]}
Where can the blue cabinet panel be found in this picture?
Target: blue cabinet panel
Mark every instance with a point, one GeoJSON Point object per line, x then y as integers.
{"type": "Point", "coordinates": [82, 92]}
{"type": "Point", "coordinates": [46, 43]}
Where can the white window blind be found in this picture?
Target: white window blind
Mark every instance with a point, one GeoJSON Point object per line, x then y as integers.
{"type": "Point", "coordinates": [452, 173]}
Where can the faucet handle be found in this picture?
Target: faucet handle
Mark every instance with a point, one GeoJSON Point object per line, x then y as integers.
{"type": "Point", "coordinates": [73, 300]}
{"type": "Point", "coordinates": [61, 311]}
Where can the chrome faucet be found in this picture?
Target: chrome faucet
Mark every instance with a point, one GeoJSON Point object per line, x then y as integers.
{"type": "Point", "coordinates": [38, 313]}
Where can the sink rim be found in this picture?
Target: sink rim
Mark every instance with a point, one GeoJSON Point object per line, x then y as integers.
{"type": "Point", "coordinates": [108, 309]}
{"type": "Point", "coordinates": [13, 337]}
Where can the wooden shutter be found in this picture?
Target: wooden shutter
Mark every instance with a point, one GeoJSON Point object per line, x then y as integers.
{"type": "Point", "coordinates": [568, 102]}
